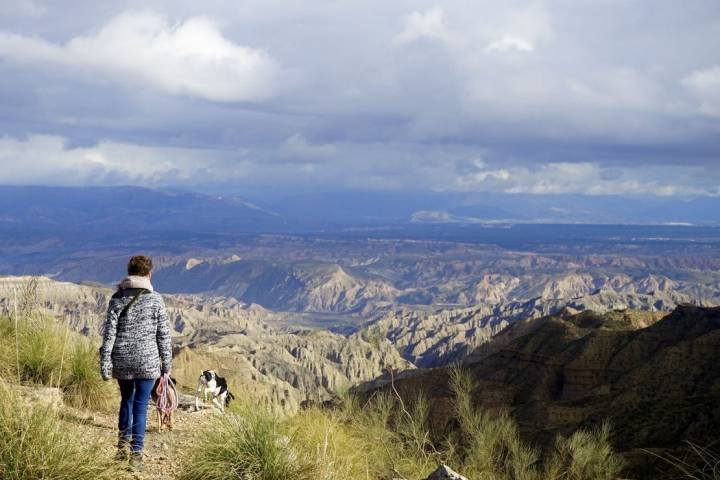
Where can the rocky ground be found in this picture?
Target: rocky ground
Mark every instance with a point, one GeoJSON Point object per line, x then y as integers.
{"type": "Point", "coordinates": [164, 451]}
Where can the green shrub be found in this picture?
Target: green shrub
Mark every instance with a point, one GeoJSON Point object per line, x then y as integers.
{"type": "Point", "coordinates": [395, 437]}
{"type": "Point", "coordinates": [250, 446]}
{"type": "Point", "coordinates": [34, 444]}
{"type": "Point", "coordinates": [43, 349]}
{"type": "Point", "coordinates": [490, 446]}
{"type": "Point", "coordinates": [52, 355]}
{"type": "Point", "coordinates": [7, 349]}
{"type": "Point", "coordinates": [586, 454]}
{"type": "Point", "coordinates": [324, 439]}
{"type": "Point", "coordinates": [83, 386]}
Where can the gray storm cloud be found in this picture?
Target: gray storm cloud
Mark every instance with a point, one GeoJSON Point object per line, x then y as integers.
{"type": "Point", "coordinates": [533, 97]}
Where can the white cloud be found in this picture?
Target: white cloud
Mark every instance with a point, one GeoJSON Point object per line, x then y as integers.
{"type": "Point", "coordinates": [297, 148]}
{"type": "Point", "coordinates": [21, 8]}
{"type": "Point", "coordinates": [705, 86]}
{"type": "Point", "coordinates": [47, 160]}
{"type": "Point", "coordinates": [428, 24]}
{"type": "Point", "coordinates": [188, 58]}
{"type": "Point", "coordinates": [395, 91]}
{"type": "Point", "coordinates": [508, 43]}
{"type": "Point", "coordinates": [586, 178]}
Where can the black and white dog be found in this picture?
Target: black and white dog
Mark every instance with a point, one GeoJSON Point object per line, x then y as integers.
{"type": "Point", "coordinates": [214, 386]}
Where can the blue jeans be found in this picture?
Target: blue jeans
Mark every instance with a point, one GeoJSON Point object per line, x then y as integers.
{"type": "Point", "coordinates": [133, 411]}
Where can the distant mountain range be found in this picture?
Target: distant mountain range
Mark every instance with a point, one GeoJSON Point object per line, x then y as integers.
{"type": "Point", "coordinates": [129, 211]}
{"type": "Point", "coordinates": [109, 209]}
{"type": "Point", "coordinates": [368, 207]}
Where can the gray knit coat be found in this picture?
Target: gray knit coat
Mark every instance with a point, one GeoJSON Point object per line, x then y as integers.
{"type": "Point", "coordinates": [138, 345]}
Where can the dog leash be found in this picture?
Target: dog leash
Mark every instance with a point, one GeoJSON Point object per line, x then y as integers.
{"type": "Point", "coordinates": [167, 398]}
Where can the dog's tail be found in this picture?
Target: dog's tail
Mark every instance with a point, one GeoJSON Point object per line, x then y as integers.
{"type": "Point", "coordinates": [229, 397]}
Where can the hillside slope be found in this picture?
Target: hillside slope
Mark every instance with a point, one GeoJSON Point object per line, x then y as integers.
{"type": "Point", "coordinates": [659, 385]}
{"type": "Point", "coordinates": [430, 338]}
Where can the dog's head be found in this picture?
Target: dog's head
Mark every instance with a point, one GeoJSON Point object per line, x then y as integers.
{"type": "Point", "coordinates": [208, 375]}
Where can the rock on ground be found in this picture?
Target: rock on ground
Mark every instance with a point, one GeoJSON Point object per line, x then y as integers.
{"type": "Point", "coordinates": [444, 472]}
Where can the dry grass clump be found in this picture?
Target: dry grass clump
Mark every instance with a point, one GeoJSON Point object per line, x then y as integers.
{"type": "Point", "coordinates": [36, 349]}
{"type": "Point", "coordinates": [83, 387]}
{"type": "Point", "coordinates": [34, 444]}
{"type": "Point", "coordinates": [697, 463]}
{"type": "Point", "coordinates": [382, 439]}
{"type": "Point", "coordinates": [323, 439]}
{"type": "Point", "coordinates": [490, 445]}
{"type": "Point", "coordinates": [585, 454]}
{"type": "Point", "coordinates": [252, 445]}
{"type": "Point", "coordinates": [7, 348]}
{"type": "Point", "coordinates": [40, 351]}
{"type": "Point", "coordinates": [492, 448]}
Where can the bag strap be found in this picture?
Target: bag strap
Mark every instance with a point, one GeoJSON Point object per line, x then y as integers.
{"type": "Point", "coordinates": [124, 311]}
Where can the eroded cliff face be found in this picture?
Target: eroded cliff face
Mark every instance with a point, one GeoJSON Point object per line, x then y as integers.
{"type": "Point", "coordinates": [286, 370]}
{"type": "Point", "coordinates": [448, 277]}
{"type": "Point", "coordinates": [300, 287]}
{"type": "Point", "coordinates": [427, 336]}
{"type": "Point", "coordinates": [431, 338]}
{"type": "Point", "coordinates": [263, 363]}
{"type": "Point", "coordinates": [254, 347]}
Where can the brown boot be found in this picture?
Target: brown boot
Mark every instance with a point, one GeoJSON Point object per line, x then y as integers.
{"type": "Point", "coordinates": [136, 462]}
{"type": "Point", "coordinates": [123, 450]}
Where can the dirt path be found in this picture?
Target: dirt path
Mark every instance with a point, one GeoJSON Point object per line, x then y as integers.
{"type": "Point", "coordinates": [164, 451]}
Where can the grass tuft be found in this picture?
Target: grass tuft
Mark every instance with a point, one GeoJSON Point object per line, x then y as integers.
{"type": "Point", "coordinates": [697, 463]}
{"type": "Point", "coordinates": [53, 356]}
{"type": "Point", "coordinates": [41, 350]}
{"type": "Point", "coordinates": [7, 348]}
{"type": "Point", "coordinates": [248, 446]}
{"type": "Point", "coordinates": [586, 454]}
{"type": "Point", "coordinates": [490, 446]}
{"type": "Point", "coordinates": [83, 387]}
{"type": "Point", "coordinates": [34, 444]}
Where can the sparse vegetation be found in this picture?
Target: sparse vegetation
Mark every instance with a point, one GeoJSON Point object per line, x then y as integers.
{"type": "Point", "coordinates": [249, 446]}
{"type": "Point", "coordinates": [585, 454]}
{"type": "Point", "coordinates": [490, 446]}
{"type": "Point", "coordinates": [36, 349]}
{"type": "Point", "coordinates": [42, 347]}
{"type": "Point", "coordinates": [696, 463]}
{"type": "Point", "coordinates": [51, 355]}
{"type": "Point", "coordinates": [493, 448]}
{"type": "Point", "coordinates": [7, 348]}
{"type": "Point", "coordinates": [82, 386]}
{"type": "Point", "coordinates": [388, 437]}
{"type": "Point", "coordinates": [34, 444]}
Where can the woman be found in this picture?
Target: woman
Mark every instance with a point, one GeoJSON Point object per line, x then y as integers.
{"type": "Point", "coordinates": [136, 350]}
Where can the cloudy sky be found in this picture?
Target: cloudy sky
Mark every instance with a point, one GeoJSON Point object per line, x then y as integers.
{"type": "Point", "coordinates": [565, 96]}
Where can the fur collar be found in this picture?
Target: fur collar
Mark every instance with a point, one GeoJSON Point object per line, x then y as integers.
{"type": "Point", "coordinates": [134, 281]}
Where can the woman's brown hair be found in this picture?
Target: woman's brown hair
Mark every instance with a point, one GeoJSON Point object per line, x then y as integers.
{"type": "Point", "coordinates": [140, 265]}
